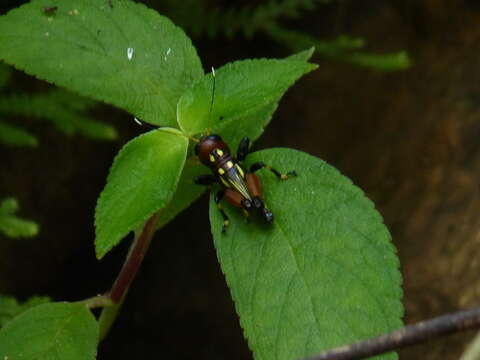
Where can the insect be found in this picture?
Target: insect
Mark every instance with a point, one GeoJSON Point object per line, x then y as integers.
{"type": "Point", "coordinates": [240, 187]}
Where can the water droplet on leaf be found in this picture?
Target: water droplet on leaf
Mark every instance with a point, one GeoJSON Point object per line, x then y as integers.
{"type": "Point", "coordinates": [167, 53]}
{"type": "Point", "coordinates": [130, 53]}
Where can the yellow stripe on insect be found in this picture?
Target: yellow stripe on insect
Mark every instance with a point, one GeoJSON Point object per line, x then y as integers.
{"type": "Point", "coordinates": [240, 170]}
{"type": "Point", "coordinates": [229, 164]}
{"type": "Point", "coordinates": [225, 182]}
{"type": "Point", "coordinates": [212, 158]}
{"type": "Point", "coordinates": [219, 152]}
{"type": "Point", "coordinates": [221, 171]}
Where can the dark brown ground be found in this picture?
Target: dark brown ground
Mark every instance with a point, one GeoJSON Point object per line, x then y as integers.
{"type": "Point", "coordinates": [410, 139]}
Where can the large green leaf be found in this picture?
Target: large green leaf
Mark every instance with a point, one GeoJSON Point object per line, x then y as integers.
{"type": "Point", "coordinates": [323, 274]}
{"type": "Point", "coordinates": [124, 54]}
{"type": "Point", "coordinates": [246, 95]}
{"type": "Point", "coordinates": [142, 180]}
{"type": "Point", "coordinates": [50, 332]}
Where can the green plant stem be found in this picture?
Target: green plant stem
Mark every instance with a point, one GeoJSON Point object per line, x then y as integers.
{"type": "Point", "coordinates": [107, 318]}
{"type": "Point", "coordinates": [409, 335]}
{"type": "Point", "coordinates": [98, 301]}
{"type": "Point", "coordinates": [128, 272]}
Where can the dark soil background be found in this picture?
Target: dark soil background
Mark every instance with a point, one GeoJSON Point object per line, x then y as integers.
{"type": "Point", "coordinates": [410, 139]}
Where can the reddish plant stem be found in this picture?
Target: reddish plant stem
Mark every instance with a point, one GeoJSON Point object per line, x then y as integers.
{"type": "Point", "coordinates": [134, 259]}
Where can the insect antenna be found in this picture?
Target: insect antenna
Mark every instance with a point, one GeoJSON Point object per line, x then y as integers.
{"type": "Point", "coordinates": [209, 130]}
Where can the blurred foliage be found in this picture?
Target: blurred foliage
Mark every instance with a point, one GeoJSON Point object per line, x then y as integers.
{"type": "Point", "coordinates": [10, 307]}
{"type": "Point", "coordinates": [10, 224]}
{"type": "Point", "coordinates": [343, 48]}
{"type": "Point", "coordinates": [61, 108]}
{"type": "Point", "coordinates": [199, 18]}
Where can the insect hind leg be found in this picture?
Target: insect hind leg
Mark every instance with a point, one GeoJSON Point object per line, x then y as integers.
{"type": "Point", "coordinates": [259, 165]}
{"type": "Point", "coordinates": [226, 220]}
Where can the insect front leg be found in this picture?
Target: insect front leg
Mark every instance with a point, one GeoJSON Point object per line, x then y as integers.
{"type": "Point", "coordinates": [242, 150]}
{"type": "Point", "coordinates": [226, 221]}
{"type": "Point", "coordinates": [259, 165]}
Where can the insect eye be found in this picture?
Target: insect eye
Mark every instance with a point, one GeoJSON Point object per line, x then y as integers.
{"type": "Point", "coordinates": [214, 137]}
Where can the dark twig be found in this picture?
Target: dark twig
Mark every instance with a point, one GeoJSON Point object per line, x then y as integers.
{"type": "Point", "coordinates": [134, 259]}
{"type": "Point", "coordinates": [128, 272]}
{"type": "Point", "coordinates": [409, 335]}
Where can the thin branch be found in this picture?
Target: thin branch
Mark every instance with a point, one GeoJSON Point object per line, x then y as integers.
{"type": "Point", "coordinates": [409, 335]}
{"type": "Point", "coordinates": [134, 259]}
{"type": "Point", "coordinates": [128, 272]}
{"type": "Point", "coordinates": [98, 301]}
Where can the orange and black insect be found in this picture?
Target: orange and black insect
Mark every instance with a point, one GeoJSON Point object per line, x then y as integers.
{"type": "Point", "coordinates": [240, 187]}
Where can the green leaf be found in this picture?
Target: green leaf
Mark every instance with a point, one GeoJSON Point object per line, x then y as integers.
{"type": "Point", "coordinates": [9, 306]}
{"type": "Point", "coordinates": [50, 332]}
{"type": "Point", "coordinates": [12, 135]}
{"type": "Point", "coordinates": [384, 62]}
{"type": "Point", "coordinates": [11, 225]}
{"type": "Point", "coordinates": [15, 227]}
{"type": "Point", "coordinates": [142, 180]}
{"type": "Point", "coordinates": [324, 274]}
{"type": "Point", "coordinates": [187, 192]}
{"type": "Point", "coordinates": [250, 124]}
{"type": "Point", "coordinates": [246, 94]}
{"type": "Point", "coordinates": [124, 54]}
{"type": "Point", "coordinates": [303, 55]}
{"type": "Point", "coordinates": [9, 206]}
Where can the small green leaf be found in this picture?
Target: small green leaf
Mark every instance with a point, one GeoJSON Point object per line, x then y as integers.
{"type": "Point", "coordinates": [12, 135]}
{"type": "Point", "coordinates": [187, 192]}
{"type": "Point", "coordinates": [9, 306]}
{"type": "Point", "coordinates": [343, 48]}
{"type": "Point", "coordinates": [93, 129]}
{"type": "Point", "coordinates": [124, 54]}
{"type": "Point", "coordinates": [383, 62]}
{"type": "Point", "coordinates": [324, 274]}
{"type": "Point", "coordinates": [11, 225]}
{"type": "Point", "coordinates": [142, 180]}
{"type": "Point", "coordinates": [9, 206]}
{"type": "Point", "coordinates": [15, 227]}
{"type": "Point", "coordinates": [50, 332]}
{"type": "Point", "coordinates": [246, 94]}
